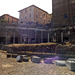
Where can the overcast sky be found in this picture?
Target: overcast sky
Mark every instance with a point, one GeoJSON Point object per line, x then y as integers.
{"type": "Point", "coordinates": [12, 7]}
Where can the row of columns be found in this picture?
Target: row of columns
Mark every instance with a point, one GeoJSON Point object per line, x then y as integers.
{"type": "Point", "coordinates": [6, 35]}
{"type": "Point", "coordinates": [61, 36]}
{"type": "Point", "coordinates": [35, 33]}
{"type": "Point", "coordinates": [48, 36]}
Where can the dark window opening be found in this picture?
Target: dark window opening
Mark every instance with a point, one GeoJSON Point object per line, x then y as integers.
{"type": "Point", "coordinates": [30, 9]}
{"type": "Point", "coordinates": [12, 21]}
{"type": "Point", "coordinates": [73, 19]}
{"type": "Point", "coordinates": [30, 15]}
{"type": "Point", "coordinates": [36, 23]}
{"type": "Point", "coordinates": [32, 40]}
{"type": "Point", "coordinates": [2, 40]}
{"type": "Point", "coordinates": [44, 20]}
{"type": "Point", "coordinates": [38, 40]}
{"type": "Point", "coordinates": [16, 40]}
{"type": "Point", "coordinates": [44, 14]}
{"type": "Point", "coordinates": [65, 39]}
{"type": "Point", "coordinates": [36, 10]}
{"type": "Point", "coordinates": [25, 17]}
{"type": "Point", "coordinates": [45, 40]}
{"type": "Point", "coordinates": [65, 16]}
{"type": "Point", "coordinates": [3, 17]}
{"type": "Point", "coordinates": [40, 18]}
{"type": "Point", "coordinates": [36, 16]}
{"type": "Point", "coordinates": [8, 19]}
{"type": "Point", "coordinates": [25, 11]}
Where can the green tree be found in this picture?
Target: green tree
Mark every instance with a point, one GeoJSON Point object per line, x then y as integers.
{"type": "Point", "coordinates": [3, 21]}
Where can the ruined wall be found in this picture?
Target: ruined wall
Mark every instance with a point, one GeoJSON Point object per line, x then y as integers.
{"type": "Point", "coordinates": [63, 12]}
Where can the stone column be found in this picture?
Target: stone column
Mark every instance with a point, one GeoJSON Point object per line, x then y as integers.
{"type": "Point", "coordinates": [29, 39]}
{"type": "Point", "coordinates": [54, 34]}
{"type": "Point", "coordinates": [55, 37]}
{"type": "Point", "coordinates": [48, 36]}
{"type": "Point", "coordinates": [21, 38]}
{"type": "Point", "coordinates": [14, 36]}
{"type": "Point", "coordinates": [35, 36]}
{"type": "Point", "coordinates": [6, 38]}
{"type": "Point", "coordinates": [69, 35]}
{"type": "Point", "coordinates": [68, 32]}
{"type": "Point", "coordinates": [61, 36]}
{"type": "Point", "coordinates": [41, 36]}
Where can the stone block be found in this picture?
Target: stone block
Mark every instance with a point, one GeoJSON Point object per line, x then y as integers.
{"type": "Point", "coordinates": [25, 59]}
{"type": "Point", "coordinates": [19, 58]}
{"type": "Point", "coordinates": [48, 60]}
{"type": "Point", "coordinates": [60, 62]}
{"type": "Point", "coordinates": [71, 59]}
{"type": "Point", "coordinates": [36, 59]}
{"type": "Point", "coordinates": [24, 55]}
{"type": "Point", "coordinates": [70, 65]}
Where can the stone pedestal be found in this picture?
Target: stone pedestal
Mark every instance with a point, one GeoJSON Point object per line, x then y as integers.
{"type": "Point", "coordinates": [60, 62]}
{"type": "Point", "coordinates": [25, 59]}
{"type": "Point", "coordinates": [48, 60]}
{"type": "Point", "coordinates": [70, 65]}
{"type": "Point", "coordinates": [36, 59]}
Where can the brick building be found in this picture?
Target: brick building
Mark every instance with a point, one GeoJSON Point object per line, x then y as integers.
{"type": "Point", "coordinates": [33, 20]}
{"type": "Point", "coordinates": [9, 19]}
{"type": "Point", "coordinates": [31, 27]}
{"type": "Point", "coordinates": [63, 19]}
{"type": "Point", "coordinates": [63, 12]}
{"type": "Point", "coordinates": [34, 14]}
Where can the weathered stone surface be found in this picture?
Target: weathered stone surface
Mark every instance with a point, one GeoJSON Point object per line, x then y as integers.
{"type": "Point", "coordinates": [60, 62]}
{"type": "Point", "coordinates": [25, 59]}
{"type": "Point", "coordinates": [51, 60]}
{"type": "Point", "coordinates": [36, 59]}
{"type": "Point", "coordinates": [48, 60]}
{"type": "Point", "coordinates": [24, 55]}
{"type": "Point", "coordinates": [19, 58]}
{"type": "Point", "coordinates": [70, 65]}
{"type": "Point", "coordinates": [71, 59]}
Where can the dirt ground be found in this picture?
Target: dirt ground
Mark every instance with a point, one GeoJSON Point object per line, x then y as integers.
{"type": "Point", "coordinates": [9, 66]}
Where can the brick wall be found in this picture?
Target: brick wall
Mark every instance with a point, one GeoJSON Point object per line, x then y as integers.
{"type": "Point", "coordinates": [34, 14]}
{"type": "Point", "coordinates": [9, 19]}
{"type": "Point", "coordinates": [63, 12]}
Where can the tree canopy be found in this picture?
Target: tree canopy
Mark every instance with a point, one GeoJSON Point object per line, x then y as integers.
{"type": "Point", "coordinates": [3, 21]}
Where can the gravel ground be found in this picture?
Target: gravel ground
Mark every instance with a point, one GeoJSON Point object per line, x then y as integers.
{"type": "Point", "coordinates": [9, 66]}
